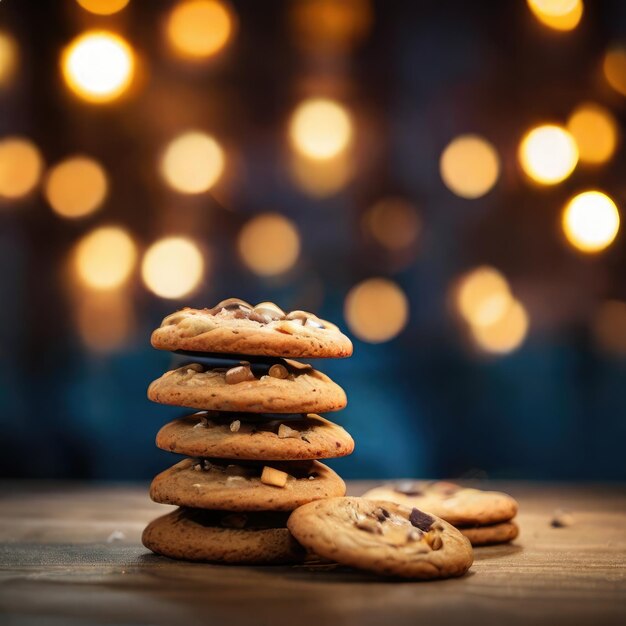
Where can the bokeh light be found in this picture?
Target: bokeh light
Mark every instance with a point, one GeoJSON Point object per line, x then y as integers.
{"type": "Point", "coordinates": [614, 66]}
{"type": "Point", "coordinates": [76, 187]}
{"type": "Point", "coordinates": [192, 163]}
{"type": "Point", "coordinates": [590, 221]}
{"type": "Point", "coordinates": [609, 327]}
{"type": "Point", "coordinates": [320, 128]}
{"type": "Point", "coordinates": [376, 310]}
{"type": "Point", "coordinates": [105, 320]}
{"type": "Point", "coordinates": [321, 179]}
{"type": "Point", "coordinates": [103, 7]}
{"type": "Point", "coordinates": [504, 335]}
{"type": "Point", "coordinates": [557, 14]}
{"type": "Point", "coordinates": [469, 166]}
{"type": "Point", "coordinates": [269, 244]}
{"type": "Point", "coordinates": [595, 131]}
{"type": "Point", "coordinates": [98, 66]}
{"type": "Point", "coordinates": [482, 296]}
{"type": "Point", "coordinates": [173, 267]}
{"type": "Point", "coordinates": [8, 58]}
{"type": "Point", "coordinates": [21, 166]}
{"type": "Point", "coordinates": [198, 29]}
{"type": "Point", "coordinates": [393, 223]}
{"type": "Point", "coordinates": [328, 26]}
{"type": "Point", "coordinates": [548, 154]}
{"type": "Point", "coordinates": [105, 258]}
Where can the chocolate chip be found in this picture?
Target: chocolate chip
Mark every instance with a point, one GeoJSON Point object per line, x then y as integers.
{"type": "Point", "coordinates": [421, 520]}
{"type": "Point", "coordinates": [381, 514]}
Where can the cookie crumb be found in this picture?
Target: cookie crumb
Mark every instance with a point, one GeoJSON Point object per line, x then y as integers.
{"type": "Point", "coordinates": [116, 535]}
{"type": "Point", "coordinates": [235, 426]}
{"type": "Point", "coordinates": [562, 519]}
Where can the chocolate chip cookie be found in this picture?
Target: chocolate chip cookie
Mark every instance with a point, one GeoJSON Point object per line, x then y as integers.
{"type": "Point", "coordinates": [381, 537]}
{"type": "Point", "coordinates": [233, 436]}
{"type": "Point", "coordinates": [223, 485]}
{"type": "Point", "coordinates": [455, 504]}
{"type": "Point", "coordinates": [491, 534]}
{"type": "Point", "coordinates": [237, 327]}
{"type": "Point", "coordinates": [223, 537]}
{"type": "Point", "coordinates": [284, 387]}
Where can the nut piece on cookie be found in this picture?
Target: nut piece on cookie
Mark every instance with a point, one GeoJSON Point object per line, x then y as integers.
{"type": "Point", "coordinates": [278, 371]}
{"type": "Point", "coordinates": [239, 374]}
{"type": "Point", "coordinates": [271, 476]}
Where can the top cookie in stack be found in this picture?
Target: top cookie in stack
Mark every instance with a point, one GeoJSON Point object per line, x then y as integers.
{"type": "Point", "coordinates": [236, 327]}
{"type": "Point", "coordinates": [254, 446]}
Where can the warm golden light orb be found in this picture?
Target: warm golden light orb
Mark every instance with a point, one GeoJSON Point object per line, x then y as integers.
{"type": "Point", "coordinates": [76, 187]}
{"type": "Point", "coordinates": [20, 167]}
{"type": "Point", "coordinates": [376, 310]}
{"type": "Point", "coordinates": [8, 58]}
{"type": "Point", "coordinates": [198, 29]}
{"type": "Point", "coordinates": [614, 66]}
{"type": "Point", "coordinates": [173, 267]}
{"type": "Point", "coordinates": [504, 335]}
{"type": "Point", "coordinates": [322, 179]}
{"type": "Point", "coordinates": [105, 258]}
{"type": "Point", "coordinates": [561, 15]}
{"type": "Point", "coordinates": [595, 131]}
{"type": "Point", "coordinates": [98, 66]}
{"type": "Point", "coordinates": [103, 7]}
{"type": "Point", "coordinates": [482, 296]}
{"type": "Point", "coordinates": [548, 154]}
{"type": "Point", "coordinates": [269, 244]}
{"type": "Point", "coordinates": [105, 320]}
{"type": "Point", "coordinates": [320, 128]}
{"type": "Point", "coordinates": [469, 166]}
{"type": "Point", "coordinates": [393, 223]}
{"type": "Point", "coordinates": [590, 221]}
{"type": "Point", "coordinates": [192, 162]}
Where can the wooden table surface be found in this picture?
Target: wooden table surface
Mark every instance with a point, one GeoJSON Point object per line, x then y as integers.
{"type": "Point", "coordinates": [71, 554]}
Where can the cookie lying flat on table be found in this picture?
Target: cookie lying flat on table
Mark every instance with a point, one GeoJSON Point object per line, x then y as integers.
{"type": "Point", "coordinates": [223, 537]}
{"type": "Point", "coordinates": [215, 484]}
{"type": "Point", "coordinates": [237, 327]}
{"type": "Point", "coordinates": [230, 436]}
{"type": "Point", "coordinates": [381, 537]}
{"type": "Point", "coordinates": [502, 532]}
{"type": "Point", "coordinates": [455, 504]}
{"type": "Point", "coordinates": [288, 387]}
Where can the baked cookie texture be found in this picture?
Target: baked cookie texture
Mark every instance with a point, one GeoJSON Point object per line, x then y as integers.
{"type": "Point", "coordinates": [491, 534]}
{"type": "Point", "coordinates": [223, 537]}
{"type": "Point", "coordinates": [382, 537]}
{"type": "Point", "coordinates": [457, 505]}
{"type": "Point", "coordinates": [288, 387]}
{"type": "Point", "coordinates": [236, 327]}
{"type": "Point", "coordinates": [230, 436]}
{"type": "Point", "coordinates": [218, 484]}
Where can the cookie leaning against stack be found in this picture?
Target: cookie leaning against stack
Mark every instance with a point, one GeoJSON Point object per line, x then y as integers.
{"type": "Point", "coordinates": [253, 448]}
{"type": "Point", "coordinates": [484, 517]}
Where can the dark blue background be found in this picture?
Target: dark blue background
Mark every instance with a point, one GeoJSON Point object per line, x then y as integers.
{"type": "Point", "coordinates": [419, 405]}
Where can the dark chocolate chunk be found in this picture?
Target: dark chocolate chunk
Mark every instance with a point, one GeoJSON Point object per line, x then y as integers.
{"type": "Point", "coordinates": [381, 514]}
{"type": "Point", "coordinates": [421, 520]}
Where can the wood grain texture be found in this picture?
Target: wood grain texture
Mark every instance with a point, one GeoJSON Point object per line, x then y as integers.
{"type": "Point", "coordinates": [71, 554]}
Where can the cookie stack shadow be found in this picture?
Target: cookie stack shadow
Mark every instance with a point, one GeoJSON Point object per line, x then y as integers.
{"type": "Point", "coordinates": [252, 449]}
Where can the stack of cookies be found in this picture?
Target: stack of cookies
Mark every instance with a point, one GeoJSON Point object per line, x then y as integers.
{"type": "Point", "coordinates": [484, 517]}
{"type": "Point", "coordinates": [252, 448]}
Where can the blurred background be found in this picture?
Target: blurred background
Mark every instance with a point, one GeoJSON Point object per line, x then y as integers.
{"type": "Point", "coordinates": [443, 179]}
